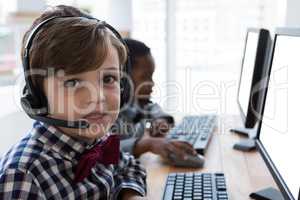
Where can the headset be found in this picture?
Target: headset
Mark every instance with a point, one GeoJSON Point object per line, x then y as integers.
{"type": "Point", "coordinates": [35, 103]}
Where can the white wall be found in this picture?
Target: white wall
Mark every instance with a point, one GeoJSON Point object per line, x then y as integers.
{"type": "Point", "coordinates": [14, 126]}
{"type": "Point", "coordinates": [292, 13]}
{"type": "Point", "coordinates": [14, 122]}
{"type": "Point", "coordinates": [120, 14]}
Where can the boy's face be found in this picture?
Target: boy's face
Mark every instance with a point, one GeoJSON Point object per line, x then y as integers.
{"type": "Point", "coordinates": [93, 96]}
{"type": "Point", "coordinates": [142, 74]}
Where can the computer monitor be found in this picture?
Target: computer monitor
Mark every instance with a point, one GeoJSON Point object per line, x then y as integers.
{"type": "Point", "coordinates": [253, 69]}
{"type": "Point", "coordinates": [279, 133]}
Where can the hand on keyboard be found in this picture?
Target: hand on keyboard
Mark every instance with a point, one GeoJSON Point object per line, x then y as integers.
{"type": "Point", "coordinates": [164, 148]}
{"type": "Point", "coordinates": [196, 130]}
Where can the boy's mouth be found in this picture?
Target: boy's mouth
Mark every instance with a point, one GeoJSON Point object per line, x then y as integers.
{"type": "Point", "coordinates": [97, 117]}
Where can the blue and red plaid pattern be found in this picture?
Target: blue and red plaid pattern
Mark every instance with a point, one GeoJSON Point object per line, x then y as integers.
{"type": "Point", "coordinates": [42, 166]}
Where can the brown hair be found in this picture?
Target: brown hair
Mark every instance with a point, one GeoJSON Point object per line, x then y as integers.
{"type": "Point", "coordinates": [72, 43]}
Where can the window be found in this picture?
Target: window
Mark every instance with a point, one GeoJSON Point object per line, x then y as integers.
{"type": "Point", "coordinates": [208, 38]}
{"type": "Point", "coordinates": [149, 26]}
{"type": "Point", "coordinates": [7, 54]}
{"type": "Point", "coordinates": [7, 47]}
{"type": "Point", "coordinates": [204, 38]}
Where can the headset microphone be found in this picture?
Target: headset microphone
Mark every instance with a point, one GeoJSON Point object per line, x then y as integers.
{"type": "Point", "coordinates": [39, 115]}
{"type": "Point", "coordinates": [80, 124]}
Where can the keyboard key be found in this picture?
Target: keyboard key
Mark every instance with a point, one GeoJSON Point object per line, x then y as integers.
{"type": "Point", "coordinates": [198, 198]}
{"type": "Point", "coordinates": [222, 196]}
{"type": "Point", "coordinates": [222, 193]}
{"type": "Point", "coordinates": [197, 193]}
{"type": "Point", "coordinates": [198, 190]}
{"type": "Point", "coordinates": [207, 195]}
{"type": "Point", "coordinates": [223, 188]}
{"type": "Point", "coordinates": [188, 188]}
{"type": "Point", "coordinates": [178, 189]}
{"type": "Point", "coordinates": [177, 197]}
{"type": "Point", "coordinates": [187, 196]}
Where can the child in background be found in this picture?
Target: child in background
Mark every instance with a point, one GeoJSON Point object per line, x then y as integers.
{"type": "Point", "coordinates": [56, 162]}
{"type": "Point", "coordinates": [136, 138]}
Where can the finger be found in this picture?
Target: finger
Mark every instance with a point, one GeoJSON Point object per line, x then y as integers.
{"type": "Point", "coordinates": [163, 128]}
{"type": "Point", "coordinates": [182, 143]}
{"type": "Point", "coordinates": [165, 152]}
{"type": "Point", "coordinates": [186, 146]}
{"type": "Point", "coordinates": [159, 130]}
{"type": "Point", "coordinates": [178, 151]}
{"type": "Point", "coordinates": [161, 133]}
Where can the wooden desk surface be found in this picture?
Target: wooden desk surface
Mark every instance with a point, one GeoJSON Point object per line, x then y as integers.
{"type": "Point", "coordinates": [245, 172]}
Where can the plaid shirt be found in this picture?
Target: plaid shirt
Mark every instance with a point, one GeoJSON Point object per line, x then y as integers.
{"type": "Point", "coordinates": [42, 166]}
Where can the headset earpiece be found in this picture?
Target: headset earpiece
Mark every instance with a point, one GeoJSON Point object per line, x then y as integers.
{"type": "Point", "coordinates": [125, 84]}
{"type": "Point", "coordinates": [32, 105]}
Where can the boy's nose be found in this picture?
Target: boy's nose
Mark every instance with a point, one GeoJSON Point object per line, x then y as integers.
{"type": "Point", "coordinates": [98, 101]}
{"type": "Point", "coordinates": [100, 95]}
{"type": "Point", "coordinates": [97, 94]}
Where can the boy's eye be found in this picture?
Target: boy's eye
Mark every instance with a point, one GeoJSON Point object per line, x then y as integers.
{"type": "Point", "coordinates": [109, 79]}
{"type": "Point", "coordinates": [71, 83]}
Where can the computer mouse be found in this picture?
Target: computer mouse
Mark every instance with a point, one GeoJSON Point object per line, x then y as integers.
{"type": "Point", "coordinates": [194, 161]}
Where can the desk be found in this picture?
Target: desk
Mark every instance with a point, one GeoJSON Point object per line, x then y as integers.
{"type": "Point", "coordinates": [245, 172]}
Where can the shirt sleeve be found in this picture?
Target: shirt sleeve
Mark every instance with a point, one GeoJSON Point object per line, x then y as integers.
{"type": "Point", "coordinates": [129, 132]}
{"type": "Point", "coordinates": [127, 145]}
{"type": "Point", "coordinates": [18, 184]}
{"type": "Point", "coordinates": [130, 175]}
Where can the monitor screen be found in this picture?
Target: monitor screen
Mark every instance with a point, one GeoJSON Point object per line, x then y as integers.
{"type": "Point", "coordinates": [279, 133]}
{"type": "Point", "coordinates": [247, 71]}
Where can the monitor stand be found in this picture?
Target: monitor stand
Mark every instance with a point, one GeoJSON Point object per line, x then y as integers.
{"type": "Point", "coordinates": [241, 131]}
{"type": "Point", "coordinates": [247, 144]}
{"type": "Point", "coordinates": [267, 194]}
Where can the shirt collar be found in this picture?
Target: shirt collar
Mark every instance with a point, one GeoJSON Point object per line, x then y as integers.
{"type": "Point", "coordinates": [61, 143]}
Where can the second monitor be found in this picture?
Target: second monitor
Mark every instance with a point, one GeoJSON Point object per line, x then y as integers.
{"type": "Point", "coordinates": [253, 70]}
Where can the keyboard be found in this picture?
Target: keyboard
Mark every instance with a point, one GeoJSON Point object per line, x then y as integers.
{"type": "Point", "coordinates": [196, 130]}
{"type": "Point", "coordinates": [188, 186]}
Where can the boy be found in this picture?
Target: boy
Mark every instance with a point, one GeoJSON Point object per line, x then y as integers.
{"type": "Point", "coordinates": [136, 138]}
{"type": "Point", "coordinates": [66, 162]}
